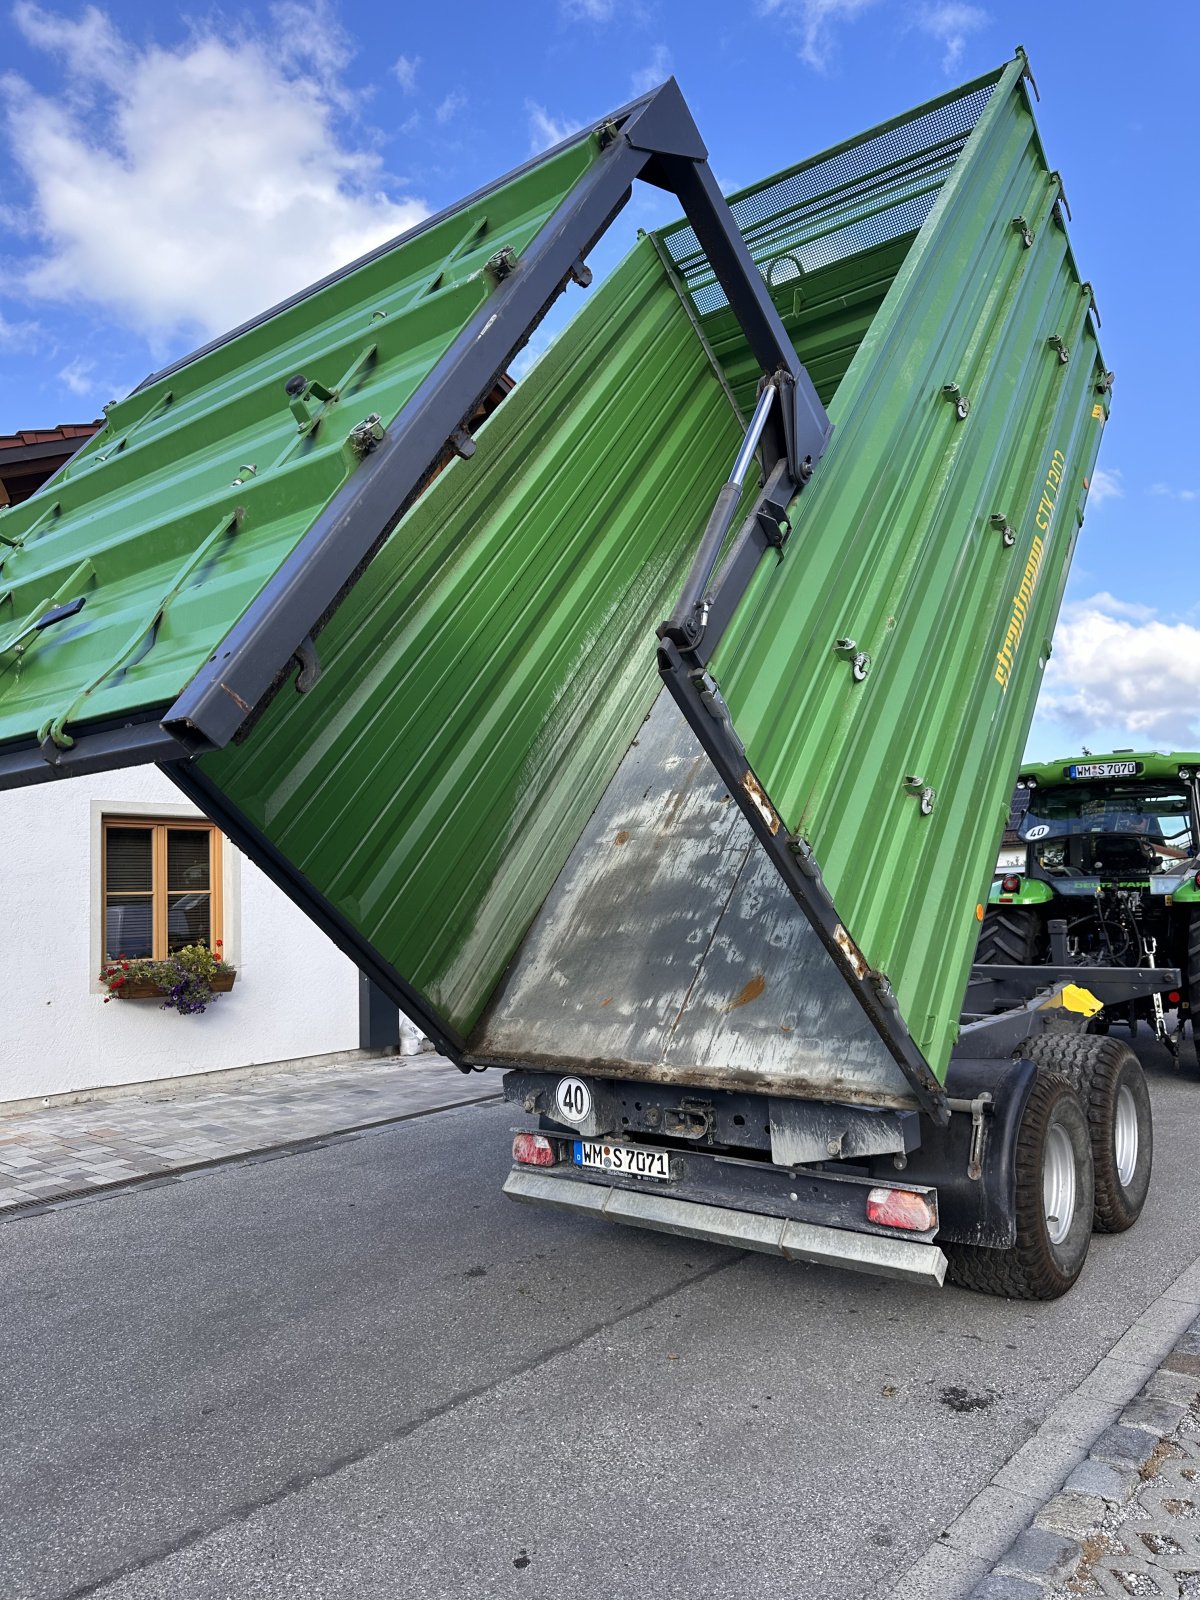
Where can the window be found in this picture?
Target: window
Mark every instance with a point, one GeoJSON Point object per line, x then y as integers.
{"type": "Point", "coordinates": [162, 886]}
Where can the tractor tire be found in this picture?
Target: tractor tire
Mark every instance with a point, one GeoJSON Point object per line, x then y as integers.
{"type": "Point", "coordinates": [1009, 936]}
{"type": "Point", "coordinates": [1054, 1200]}
{"type": "Point", "coordinates": [1193, 981]}
{"type": "Point", "coordinates": [1108, 1078]}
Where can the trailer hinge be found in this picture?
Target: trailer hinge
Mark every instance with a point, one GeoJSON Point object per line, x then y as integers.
{"type": "Point", "coordinates": [962, 405]}
{"type": "Point", "coordinates": [306, 655]}
{"type": "Point", "coordinates": [365, 435]}
{"type": "Point", "coordinates": [1062, 203]}
{"type": "Point", "coordinates": [860, 661]}
{"type": "Point", "coordinates": [503, 264]}
{"type": "Point", "coordinates": [1000, 522]}
{"type": "Point", "coordinates": [774, 523]}
{"type": "Point", "coordinates": [917, 785]}
{"type": "Point", "coordinates": [1026, 232]}
{"type": "Point", "coordinates": [714, 703]}
{"type": "Point", "coordinates": [1027, 71]}
{"type": "Point", "coordinates": [1057, 342]}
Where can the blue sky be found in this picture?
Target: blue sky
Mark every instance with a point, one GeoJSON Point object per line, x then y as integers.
{"type": "Point", "coordinates": [167, 173]}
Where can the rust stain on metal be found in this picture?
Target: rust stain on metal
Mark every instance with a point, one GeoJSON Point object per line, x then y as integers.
{"type": "Point", "coordinates": [749, 991]}
{"type": "Point", "coordinates": [235, 697]}
{"type": "Point", "coordinates": [850, 950]}
{"type": "Point", "coordinates": [758, 798]}
{"type": "Point", "coordinates": [622, 837]}
{"type": "Point", "coordinates": [607, 1002]}
{"type": "Point", "coordinates": [825, 1085]}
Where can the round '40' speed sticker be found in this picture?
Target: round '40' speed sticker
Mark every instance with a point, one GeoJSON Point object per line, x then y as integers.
{"type": "Point", "coordinates": [573, 1099]}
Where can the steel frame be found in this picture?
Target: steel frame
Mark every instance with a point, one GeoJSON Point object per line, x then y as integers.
{"type": "Point", "coordinates": [654, 138]}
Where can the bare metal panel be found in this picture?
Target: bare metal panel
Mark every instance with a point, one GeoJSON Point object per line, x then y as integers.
{"type": "Point", "coordinates": [670, 950]}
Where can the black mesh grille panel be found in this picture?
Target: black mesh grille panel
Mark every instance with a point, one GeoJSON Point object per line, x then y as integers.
{"type": "Point", "coordinates": [877, 189]}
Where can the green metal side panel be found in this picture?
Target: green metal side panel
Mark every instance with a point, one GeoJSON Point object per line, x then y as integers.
{"type": "Point", "coordinates": [485, 677]}
{"type": "Point", "coordinates": [895, 547]}
{"type": "Point", "coordinates": [179, 511]}
{"type": "Point", "coordinates": [829, 235]}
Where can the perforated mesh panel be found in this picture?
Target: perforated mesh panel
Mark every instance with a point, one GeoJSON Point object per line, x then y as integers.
{"type": "Point", "coordinates": [838, 205]}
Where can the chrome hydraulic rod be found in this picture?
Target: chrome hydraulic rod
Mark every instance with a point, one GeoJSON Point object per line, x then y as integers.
{"type": "Point", "coordinates": [691, 611]}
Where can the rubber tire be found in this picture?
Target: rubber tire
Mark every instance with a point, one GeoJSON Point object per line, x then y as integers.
{"type": "Point", "coordinates": [1009, 936]}
{"type": "Point", "coordinates": [1097, 1069]}
{"type": "Point", "coordinates": [1034, 1268]}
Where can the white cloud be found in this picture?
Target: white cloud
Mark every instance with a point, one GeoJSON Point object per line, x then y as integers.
{"type": "Point", "coordinates": [450, 107]}
{"type": "Point", "coordinates": [1119, 666]}
{"type": "Point", "coordinates": [815, 22]}
{"type": "Point", "coordinates": [1166, 491]}
{"type": "Point", "coordinates": [404, 69]}
{"type": "Point", "coordinates": [185, 189]}
{"type": "Point", "coordinates": [951, 23]}
{"type": "Point", "coordinates": [1111, 606]}
{"type": "Point", "coordinates": [546, 130]}
{"type": "Point", "coordinates": [77, 376]}
{"type": "Point", "coordinates": [588, 10]}
{"type": "Point", "coordinates": [1105, 486]}
{"type": "Point", "coordinates": [651, 75]}
{"type": "Point", "coordinates": [18, 336]}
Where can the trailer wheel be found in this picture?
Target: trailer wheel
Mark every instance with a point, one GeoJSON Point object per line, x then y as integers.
{"type": "Point", "coordinates": [1009, 936]}
{"type": "Point", "coordinates": [1108, 1078]}
{"type": "Point", "coordinates": [1054, 1198]}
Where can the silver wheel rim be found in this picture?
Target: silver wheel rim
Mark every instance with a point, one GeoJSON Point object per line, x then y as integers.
{"type": "Point", "coordinates": [1058, 1183]}
{"type": "Point", "coordinates": [1125, 1136]}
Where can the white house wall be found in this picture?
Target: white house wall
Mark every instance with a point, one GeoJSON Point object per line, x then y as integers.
{"type": "Point", "coordinates": [296, 995]}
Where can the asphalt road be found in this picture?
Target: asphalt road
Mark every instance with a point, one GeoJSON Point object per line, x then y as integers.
{"type": "Point", "coordinates": [359, 1371]}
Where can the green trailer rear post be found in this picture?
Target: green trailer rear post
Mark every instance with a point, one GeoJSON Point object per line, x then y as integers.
{"type": "Point", "coordinates": [653, 739]}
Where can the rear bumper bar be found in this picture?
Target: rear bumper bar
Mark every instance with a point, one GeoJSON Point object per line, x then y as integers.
{"type": "Point", "coordinates": [906, 1259]}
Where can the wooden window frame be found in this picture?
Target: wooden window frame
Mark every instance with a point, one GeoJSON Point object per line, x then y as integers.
{"type": "Point", "coordinates": [159, 891]}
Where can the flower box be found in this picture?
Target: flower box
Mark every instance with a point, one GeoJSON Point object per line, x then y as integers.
{"type": "Point", "coordinates": [143, 989]}
{"type": "Point", "coordinates": [187, 980]}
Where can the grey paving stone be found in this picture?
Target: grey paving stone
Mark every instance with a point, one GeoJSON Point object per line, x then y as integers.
{"type": "Point", "coordinates": [1039, 1552]}
{"type": "Point", "coordinates": [1007, 1586]}
{"type": "Point", "coordinates": [1093, 1477]}
{"type": "Point", "coordinates": [1124, 1446]}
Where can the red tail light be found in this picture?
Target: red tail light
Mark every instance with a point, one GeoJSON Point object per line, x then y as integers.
{"type": "Point", "coordinates": [533, 1150]}
{"type": "Point", "coordinates": [902, 1208]}
{"type": "Point", "coordinates": [1011, 884]}
{"type": "Point", "coordinates": [1174, 997]}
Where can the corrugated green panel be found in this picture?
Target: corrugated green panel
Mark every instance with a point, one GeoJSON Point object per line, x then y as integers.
{"type": "Point", "coordinates": [829, 234]}
{"type": "Point", "coordinates": [895, 548]}
{"type": "Point", "coordinates": [208, 465]}
{"type": "Point", "coordinates": [484, 678]}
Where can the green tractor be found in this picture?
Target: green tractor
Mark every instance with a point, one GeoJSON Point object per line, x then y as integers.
{"type": "Point", "coordinates": [1111, 880]}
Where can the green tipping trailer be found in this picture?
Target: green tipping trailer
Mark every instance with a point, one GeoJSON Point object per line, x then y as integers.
{"type": "Point", "coordinates": [651, 739]}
